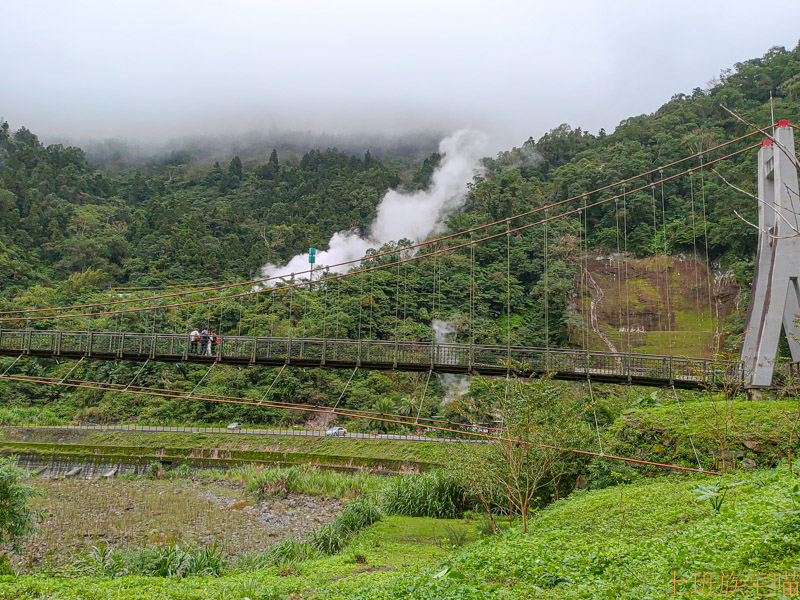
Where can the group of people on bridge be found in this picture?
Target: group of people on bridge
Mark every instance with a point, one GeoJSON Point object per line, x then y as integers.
{"type": "Point", "coordinates": [204, 342]}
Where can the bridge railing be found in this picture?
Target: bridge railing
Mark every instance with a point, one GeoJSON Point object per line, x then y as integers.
{"type": "Point", "coordinates": [453, 357]}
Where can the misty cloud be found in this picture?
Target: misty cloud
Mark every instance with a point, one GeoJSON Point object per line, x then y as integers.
{"type": "Point", "coordinates": [158, 70]}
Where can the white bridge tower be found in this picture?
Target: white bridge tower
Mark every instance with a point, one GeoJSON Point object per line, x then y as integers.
{"type": "Point", "coordinates": [775, 293]}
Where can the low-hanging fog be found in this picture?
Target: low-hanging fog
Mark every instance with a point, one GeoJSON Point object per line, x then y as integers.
{"type": "Point", "coordinates": [152, 71]}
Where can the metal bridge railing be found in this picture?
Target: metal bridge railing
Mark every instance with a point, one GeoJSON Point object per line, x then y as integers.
{"type": "Point", "coordinates": [388, 354]}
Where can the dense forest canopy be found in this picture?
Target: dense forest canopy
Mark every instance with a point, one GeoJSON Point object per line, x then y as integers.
{"type": "Point", "coordinates": [69, 231]}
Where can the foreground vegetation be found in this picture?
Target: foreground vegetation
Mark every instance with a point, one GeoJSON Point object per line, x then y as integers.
{"type": "Point", "coordinates": [625, 541]}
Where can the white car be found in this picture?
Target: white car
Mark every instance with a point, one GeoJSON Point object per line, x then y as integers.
{"type": "Point", "coordinates": [234, 425]}
{"type": "Point", "coordinates": [336, 432]}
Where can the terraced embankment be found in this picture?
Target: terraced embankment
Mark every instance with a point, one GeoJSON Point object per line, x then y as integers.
{"type": "Point", "coordinates": [221, 450]}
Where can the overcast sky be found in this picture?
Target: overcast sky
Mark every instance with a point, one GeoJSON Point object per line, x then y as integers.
{"type": "Point", "coordinates": [151, 70]}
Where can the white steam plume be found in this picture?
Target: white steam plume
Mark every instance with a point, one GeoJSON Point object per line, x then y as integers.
{"type": "Point", "coordinates": [454, 386]}
{"type": "Point", "coordinates": [415, 216]}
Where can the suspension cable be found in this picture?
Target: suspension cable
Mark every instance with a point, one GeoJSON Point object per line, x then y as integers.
{"type": "Point", "coordinates": [271, 385]}
{"type": "Point", "coordinates": [667, 278]}
{"type": "Point", "coordinates": [202, 379]}
{"type": "Point", "coordinates": [75, 366]}
{"type": "Point", "coordinates": [712, 323]}
{"type": "Point", "coordinates": [346, 385]}
{"type": "Point", "coordinates": [655, 235]}
{"type": "Point", "coordinates": [116, 387]}
{"type": "Point", "coordinates": [422, 398]}
{"type": "Point", "coordinates": [508, 296]}
{"type": "Point", "coordinates": [619, 269]}
{"type": "Point", "coordinates": [694, 242]}
{"type": "Point", "coordinates": [546, 295]}
{"type": "Point", "coordinates": [11, 365]}
{"type": "Point", "coordinates": [132, 381]}
{"type": "Point", "coordinates": [627, 263]}
{"type": "Point", "coordinates": [471, 295]}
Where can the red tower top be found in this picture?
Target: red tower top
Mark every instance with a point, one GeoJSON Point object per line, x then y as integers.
{"type": "Point", "coordinates": [766, 143]}
{"type": "Point", "coordinates": [783, 123]}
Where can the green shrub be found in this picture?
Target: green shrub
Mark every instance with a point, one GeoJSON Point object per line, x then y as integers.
{"type": "Point", "coordinates": [333, 537]}
{"type": "Point", "coordinates": [182, 471]}
{"type": "Point", "coordinates": [28, 415]}
{"type": "Point", "coordinates": [329, 538]}
{"type": "Point", "coordinates": [276, 483]}
{"type": "Point", "coordinates": [154, 470]}
{"type": "Point", "coordinates": [16, 518]}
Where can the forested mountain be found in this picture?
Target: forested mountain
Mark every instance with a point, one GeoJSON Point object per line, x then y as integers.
{"type": "Point", "coordinates": [68, 232]}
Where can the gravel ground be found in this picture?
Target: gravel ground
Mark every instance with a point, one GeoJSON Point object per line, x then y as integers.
{"type": "Point", "coordinates": [129, 515]}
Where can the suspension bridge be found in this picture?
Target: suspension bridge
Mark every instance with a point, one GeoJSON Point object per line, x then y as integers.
{"type": "Point", "coordinates": [65, 332]}
{"type": "Point", "coordinates": [462, 359]}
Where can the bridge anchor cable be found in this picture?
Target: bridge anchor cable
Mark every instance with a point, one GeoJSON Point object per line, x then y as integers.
{"type": "Point", "coordinates": [202, 379]}
{"type": "Point", "coordinates": [75, 366]}
{"type": "Point", "coordinates": [11, 366]}
{"type": "Point", "coordinates": [346, 385]}
{"type": "Point", "coordinates": [686, 426]}
{"type": "Point", "coordinates": [274, 381]}
{"type": "Point", "coordinates": [135, 377]}
{"type": "Point", "coordinates": [422, 399]}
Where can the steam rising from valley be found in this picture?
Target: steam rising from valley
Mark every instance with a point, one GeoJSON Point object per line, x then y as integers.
{"type": "Point", "coordinates": [414, 216]}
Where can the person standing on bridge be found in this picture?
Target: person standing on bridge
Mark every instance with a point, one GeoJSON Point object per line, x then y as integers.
{"type": "Point", "coordinates": [213, 340]}
{"type": "Point", "coordinates": [204, 341]}
{"type": "Point", "coordinates": [195, 337]}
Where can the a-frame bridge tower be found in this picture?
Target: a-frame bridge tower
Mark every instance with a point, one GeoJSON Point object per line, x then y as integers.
{"type": "Point", "coordinates": [775, 294]}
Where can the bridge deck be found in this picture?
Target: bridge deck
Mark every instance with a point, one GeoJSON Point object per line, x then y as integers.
{"type": "Point", "coordinates": [639, 369]}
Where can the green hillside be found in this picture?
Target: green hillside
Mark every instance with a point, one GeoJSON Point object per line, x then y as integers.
{"type": "Point", "coordinates": [68, 231]}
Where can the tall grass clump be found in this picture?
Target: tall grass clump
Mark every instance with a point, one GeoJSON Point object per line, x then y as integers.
{"type": "Point", "coordinates": [292, 550]}
{"type": "Point", "coordinates": [325, 540]}
{"type": "Point", "coordinates": [303, 479]}
{"type": "Point", "coordinates": [333, 537]}
{"type": "Point", "coordinates": [164, 561]}
{"type": "Point", "coordinates": [434, 494]}
{"type": "Point", "coordinates": [329, 538]}
{"type": "Point", "coordinates": [359, 514]}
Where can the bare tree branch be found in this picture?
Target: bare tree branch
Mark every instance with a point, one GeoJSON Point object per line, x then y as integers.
{"type": "Point", "coordinates": [791, 156]}
{"type": "Point", "coordinates": [756, 198]}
